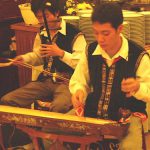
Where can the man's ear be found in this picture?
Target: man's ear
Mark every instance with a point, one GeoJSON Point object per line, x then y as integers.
{"type": "Point", "coordinates": [120, 28]}
{"type": "Point", "coordinates": [57, 14]}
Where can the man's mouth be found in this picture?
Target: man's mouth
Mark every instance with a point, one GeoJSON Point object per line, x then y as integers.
{"type": "Point", "coordinates": [103, 45]}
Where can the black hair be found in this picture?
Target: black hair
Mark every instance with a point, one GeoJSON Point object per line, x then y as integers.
{"type": "Point", "coordinates": [108, 12]}
{"type": "Point", "coordinates": [50, 5]}
{"type": "Point", "coordinates": [135, 8]}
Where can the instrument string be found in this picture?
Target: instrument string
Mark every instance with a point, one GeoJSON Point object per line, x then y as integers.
{"type": "Point", "coordinates": [44, 71]}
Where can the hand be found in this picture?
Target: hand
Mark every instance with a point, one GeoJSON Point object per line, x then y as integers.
{"type": "Point", "coordinates": [77, 99]}
{"type": "Point", "coordinates": [51, 50]}
{"type": "Point", "coordinates": [17, 60]}
{"type": "Point", "coordinates": [130, 86]}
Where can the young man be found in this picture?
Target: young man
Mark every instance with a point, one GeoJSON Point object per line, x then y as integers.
{"type": "Point", "coordinates": [112, 75]}
{"type": "Point", "coordinates": [64, 52]}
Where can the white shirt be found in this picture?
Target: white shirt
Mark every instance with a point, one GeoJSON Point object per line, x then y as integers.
{"type": "Point", "coordinates": [71, 59]}
{"type": "Point", "coordinates": [80, 79]}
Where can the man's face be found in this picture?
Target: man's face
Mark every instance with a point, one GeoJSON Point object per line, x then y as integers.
{"type": "Point", "coordinates": [106, 35]}
{"type": "Point", "coordinates": [49, 17]}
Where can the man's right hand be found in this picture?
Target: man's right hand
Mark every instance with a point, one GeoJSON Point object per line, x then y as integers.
{"type": "Point", "coordinates": [17, 60]}
{"type": "Point", "coordinates": [77, 99]}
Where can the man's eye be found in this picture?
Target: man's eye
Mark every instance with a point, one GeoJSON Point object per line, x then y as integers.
{"type": "Point", "coordinates": [95, 32]}
{"type": "Point", "coordinates": [39, 17]}
{"type": "Point", "coordinates": [106, 34]}
{"type": "Point", "coordinates": [47, 16]}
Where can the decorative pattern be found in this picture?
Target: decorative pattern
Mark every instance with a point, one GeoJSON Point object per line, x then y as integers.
{"type": "Point", "coordinates": [62, 123]}
{"type": "Point", "coordinates": [106, 91]}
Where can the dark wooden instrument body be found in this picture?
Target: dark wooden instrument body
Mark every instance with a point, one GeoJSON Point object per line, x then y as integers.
{"type": "Point", "coordinates": [62, 123]}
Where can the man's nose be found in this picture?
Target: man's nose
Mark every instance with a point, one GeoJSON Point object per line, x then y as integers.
{"type": "Point", "coordinates": [41, 21]}
{"type": "Point", "coordinates": [100, 38]}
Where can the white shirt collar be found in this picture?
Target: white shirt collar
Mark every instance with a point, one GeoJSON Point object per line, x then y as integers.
{"type": "Point", "coordinates": [123, 52]}
{"type": "Point", "coordinates": [63, 27]}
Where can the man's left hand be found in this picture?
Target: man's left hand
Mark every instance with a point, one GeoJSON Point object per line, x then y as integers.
{"type": "Point", "coordinates": [51, 50]}
{"type": "Point", "coordinates": [130, 86]}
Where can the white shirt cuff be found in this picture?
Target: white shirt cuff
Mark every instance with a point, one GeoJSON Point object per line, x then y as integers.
{"type": "Point", "coordinates": [66, 56]}
{"type": "Point", "coordinates": [142, 93]}
{"type": "Point", "coordinates": [79, 87]}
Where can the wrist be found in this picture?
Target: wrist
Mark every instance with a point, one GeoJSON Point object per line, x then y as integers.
{"type": "Point", "coordinates": [62, 53]}
{"type": "Point", "coordinates": [137, 87]}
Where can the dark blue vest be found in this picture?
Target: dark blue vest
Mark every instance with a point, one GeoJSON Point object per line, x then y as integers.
{"type": "Point", "coordinates": [65, 42]}
{"type": "Point", "coordinates": [124, 69]}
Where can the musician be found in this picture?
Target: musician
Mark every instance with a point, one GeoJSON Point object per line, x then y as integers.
{"type": "Point", "coordinates": [112, 74]}
{"type": "Point", "coordinates": [67, 44]}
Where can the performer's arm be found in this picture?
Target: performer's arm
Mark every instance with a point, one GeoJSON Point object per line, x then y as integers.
{"type": "Point", "coordinates": [34, 57]}
{"type": "Point", "coordinates": [139, 87]}
{"type": "Point", "coordinates": [73, 58]}
{"type": "Point", "coordinates": [79, 83]}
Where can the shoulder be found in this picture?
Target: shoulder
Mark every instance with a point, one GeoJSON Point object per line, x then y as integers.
{"type": "Point", "coordinates": [71, 28]}
{"type": "Point", "coordinates": [91, 47]}
{"type": "Point", "coordinates": [135, 47]}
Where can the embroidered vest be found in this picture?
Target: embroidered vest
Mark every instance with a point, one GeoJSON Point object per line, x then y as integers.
{"type": "Point", "coordinates": [64, 42]}
{"type": "Point", "coordinates": [116, 98]}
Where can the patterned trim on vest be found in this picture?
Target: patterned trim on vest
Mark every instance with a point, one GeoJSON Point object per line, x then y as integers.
{"type": "Point", "coordinates": [107, 86]}
{"type": "Point", "coordinates": [106, 91]}
{"type": "Point", "coordinates": [76, 38]}
{"type": "Point", "coordinates": [139, 60]}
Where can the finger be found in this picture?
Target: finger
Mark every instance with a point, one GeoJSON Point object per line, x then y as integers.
{"type": "Point", "coordinates": [122, 82]}
{"type": "Point", "coordinates": [126, 88]}
{"type": "Point", "coordinates": [17, 58]}
{"type": "Point", "coordinates": [17, 61]}
{"type": "Point", "coordinates": [43, 52]}
{"type": "Point", "coordinates": [128, 94]}
{"type": "Point", "coordinates": [44, 49]}
{"type": "Point", "coordinates": [44, 55]}
{"type": "Point", "coordinates": [129, 88]}
{"type": "Point", "coordinates": [74, 99]}
{"type": "Point", "coordinates": [44, 45]}
{"type": "Point", "coordinates": [81, 100]}
{"type": "Point", "coordinates": [78, 102]}
{"type": "Point", "coordinates": [128, 84]}
{"type": "Point", "coordinates": [129, 81]}
{"type": "Point", "coordinates": [47, 46]}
